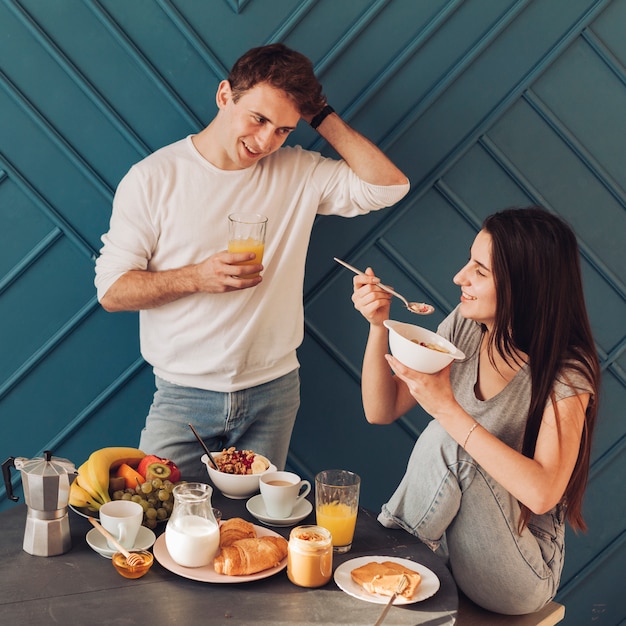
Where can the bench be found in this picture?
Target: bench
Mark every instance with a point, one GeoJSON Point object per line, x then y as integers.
{"type": "Point", "coordinates": [470, 614]}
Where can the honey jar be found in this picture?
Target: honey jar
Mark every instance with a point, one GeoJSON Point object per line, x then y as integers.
{"type": "Point", "coordinates": [310, 556]}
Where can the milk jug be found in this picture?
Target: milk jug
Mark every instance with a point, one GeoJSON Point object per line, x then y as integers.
{"type": "Point", "coordinates": [192, 535]}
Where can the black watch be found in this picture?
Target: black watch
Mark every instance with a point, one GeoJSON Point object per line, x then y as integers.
{"type": "Point", "coordinates": [321, 116]}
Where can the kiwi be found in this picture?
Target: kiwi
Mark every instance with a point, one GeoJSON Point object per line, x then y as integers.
{"type": "Point", "coordinates": [158, 470]}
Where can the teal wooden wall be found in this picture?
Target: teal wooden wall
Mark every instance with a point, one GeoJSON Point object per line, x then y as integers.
{"type": "Point", "coordinates": [484, 103]}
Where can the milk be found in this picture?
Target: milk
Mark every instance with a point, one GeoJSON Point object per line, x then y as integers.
{"type": "Point", "coordinates": [193, 541]}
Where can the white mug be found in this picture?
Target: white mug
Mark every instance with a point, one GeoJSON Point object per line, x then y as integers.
{"type": "Point", "coordinates": [122, 518]}
{"type": "Point", "coordinates": [281, 491]}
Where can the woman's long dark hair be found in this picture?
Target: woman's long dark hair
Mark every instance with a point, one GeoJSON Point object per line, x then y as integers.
{"type": "Point", "coordinates": [541, 311]}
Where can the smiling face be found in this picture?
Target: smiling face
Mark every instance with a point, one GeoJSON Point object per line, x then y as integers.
{"type": "Point", "coordinates": [477, 282]}
{"type": "Point", "coordinates": [251, 128]}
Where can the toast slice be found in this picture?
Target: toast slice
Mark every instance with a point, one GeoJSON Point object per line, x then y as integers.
{"type": "Point", "coordinates": [383, 578]}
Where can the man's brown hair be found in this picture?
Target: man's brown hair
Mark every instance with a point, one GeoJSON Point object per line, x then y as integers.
{"type": "Point", "coordinates": [282, 68]}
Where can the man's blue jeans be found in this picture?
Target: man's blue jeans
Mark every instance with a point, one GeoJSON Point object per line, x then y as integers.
{"type": "Point", "coordinates": [260, 419]}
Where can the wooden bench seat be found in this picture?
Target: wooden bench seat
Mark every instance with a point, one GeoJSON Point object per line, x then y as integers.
{"type": "Point", "coordinates": [471, 614]}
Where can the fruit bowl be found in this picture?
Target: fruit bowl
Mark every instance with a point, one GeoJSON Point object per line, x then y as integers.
{"type": "Point", "coordinates": [405, 343]}
{"type": "Point", "coordinates": [154, 496]}
{"type": "Point", "coordinates": [234, 486]}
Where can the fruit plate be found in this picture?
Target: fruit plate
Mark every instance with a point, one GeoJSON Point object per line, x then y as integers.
{"type": "Point", "coordinates": [83, 511]}
{"type": "Point", "coordinates": [207, 574]}
{"type": "Point", "coordinates": [428, 586]}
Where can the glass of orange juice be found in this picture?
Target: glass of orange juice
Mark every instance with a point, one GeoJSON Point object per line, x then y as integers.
{"type": "Point", "coordinates": [246, 233]}
{"type": "Point", "coordinates": [337, 504]}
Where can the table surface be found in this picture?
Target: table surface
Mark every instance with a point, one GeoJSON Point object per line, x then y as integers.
{"type": "Point", "coordinates": [82, 587]}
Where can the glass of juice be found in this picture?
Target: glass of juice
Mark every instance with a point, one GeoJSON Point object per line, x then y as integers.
{"type": "Point", "coordinates": [246, 233]}
{"type": "Point", "coordinates": [337, 504]}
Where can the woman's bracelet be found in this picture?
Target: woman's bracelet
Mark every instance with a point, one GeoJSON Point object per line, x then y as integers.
{"type": "Point", "coordinates": [469, 433]}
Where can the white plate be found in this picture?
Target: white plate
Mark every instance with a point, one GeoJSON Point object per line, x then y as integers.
{"type": "Point", "coordinates": [97, 542]}
{"type": "Point", "coordinates": [256, 506]}
{"type": "Point", "coordinates": [428, 586]}
{"type": "Point", "coordinates": [207, 574]}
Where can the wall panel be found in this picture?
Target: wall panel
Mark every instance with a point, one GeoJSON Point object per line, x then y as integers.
{"type": "Point", "coordinates": [484, 103]}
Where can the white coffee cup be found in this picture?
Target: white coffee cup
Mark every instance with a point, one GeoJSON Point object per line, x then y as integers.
{"type": "Point", "coordinates": [281, 491]}
{"type": "Point", "coordinates": [122, 518]}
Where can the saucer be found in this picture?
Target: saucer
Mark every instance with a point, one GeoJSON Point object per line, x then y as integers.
{"type": "Point", "coordinates": [256, 506]}
{"type": "Point", "coordinates": [97, 542]}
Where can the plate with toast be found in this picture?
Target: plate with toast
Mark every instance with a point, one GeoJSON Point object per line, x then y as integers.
{"type": "Point", "coordinates": [375, 578]}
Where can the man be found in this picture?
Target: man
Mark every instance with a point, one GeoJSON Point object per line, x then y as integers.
{"type": "Point", "coordinates": [221, 339]}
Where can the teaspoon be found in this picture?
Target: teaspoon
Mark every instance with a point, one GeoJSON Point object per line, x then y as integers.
{"type": "Point", "coordinates": [415, 307]}
{"type": "Point", "coordinates": [195, 432]}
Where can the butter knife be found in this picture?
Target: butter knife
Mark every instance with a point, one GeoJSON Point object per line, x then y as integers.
{"type": "Point", "coordinates": [404, 581]}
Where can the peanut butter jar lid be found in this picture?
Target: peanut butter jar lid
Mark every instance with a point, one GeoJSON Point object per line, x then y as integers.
{"type": "Point", "coordinates": [310, 535]}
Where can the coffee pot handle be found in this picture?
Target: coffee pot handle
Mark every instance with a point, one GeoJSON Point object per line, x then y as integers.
{"type": "Point", "coordinates": [6, 473]}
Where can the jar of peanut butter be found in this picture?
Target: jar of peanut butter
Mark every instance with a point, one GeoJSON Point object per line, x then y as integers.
{"type": "Point", "coordinates": [310, 556]}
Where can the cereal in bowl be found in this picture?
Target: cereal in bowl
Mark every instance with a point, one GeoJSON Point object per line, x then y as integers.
{"type": "Point", "coordinates": [233, 461]}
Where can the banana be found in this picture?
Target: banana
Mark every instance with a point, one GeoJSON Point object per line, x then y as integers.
{"type": "Point", "coordinates": [80, 497]}
{"type": "Point", "coordinates": [83, 481]}
{"type": "Point", "coordinates": [100, 464]}
{"type": "Point", "coordinates": [259, 464]}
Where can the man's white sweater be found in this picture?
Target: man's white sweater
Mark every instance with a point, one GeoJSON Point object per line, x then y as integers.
{"type": "Point", "coordinates": [171, 210]}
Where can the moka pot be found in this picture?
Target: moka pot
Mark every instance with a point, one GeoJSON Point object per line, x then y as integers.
{"type": "Point", "coordinates": [46, 482]}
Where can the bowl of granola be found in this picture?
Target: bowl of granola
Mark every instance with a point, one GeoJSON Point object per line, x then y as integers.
{"type": "Point", "coordinates": [419, 348]}
{"type": "Point", "coordinates": [239, 471]}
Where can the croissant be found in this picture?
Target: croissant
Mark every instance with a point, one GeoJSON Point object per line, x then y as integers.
{"type": "Point", "coordinates": [234, 529]}
{"type": "Point", "coordinates": [249, 556]}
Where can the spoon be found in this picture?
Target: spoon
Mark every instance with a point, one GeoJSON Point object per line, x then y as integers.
{"type": "Point", "coordinates": [131, 558]}
{"type": "Point", "coordinates": [204, 447]}
{"type": "Point", "coordinates": [415, 307]}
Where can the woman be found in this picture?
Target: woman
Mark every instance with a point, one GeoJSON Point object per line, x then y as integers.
{"type": "Point", "coordinates": [493, 477]}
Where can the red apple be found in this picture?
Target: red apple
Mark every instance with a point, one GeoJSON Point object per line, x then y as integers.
{"type": "Point", "coordinates": [149, 459]}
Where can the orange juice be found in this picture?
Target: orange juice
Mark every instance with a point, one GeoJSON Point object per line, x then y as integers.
{"type": "Point", "coordinates": [248, 245]}
{"type": "Point", "coordinates": [340, 519]}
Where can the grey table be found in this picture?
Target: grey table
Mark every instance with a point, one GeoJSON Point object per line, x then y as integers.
{"type": "Point", "coordinates": [82, 588]}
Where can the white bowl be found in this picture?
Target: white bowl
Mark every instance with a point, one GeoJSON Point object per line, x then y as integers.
{"type": "Point", "coordinates": [404, 344]}
{"type": "Point", "coordinates": [235, 486]}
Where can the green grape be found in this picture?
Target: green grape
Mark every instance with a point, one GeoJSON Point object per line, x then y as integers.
{"type": "Point", "coordinates": [156, 500]}
{"type": "Point", "coordinates": [151, 513]}
{"type": "Point", "coordinates": [118, 495]}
